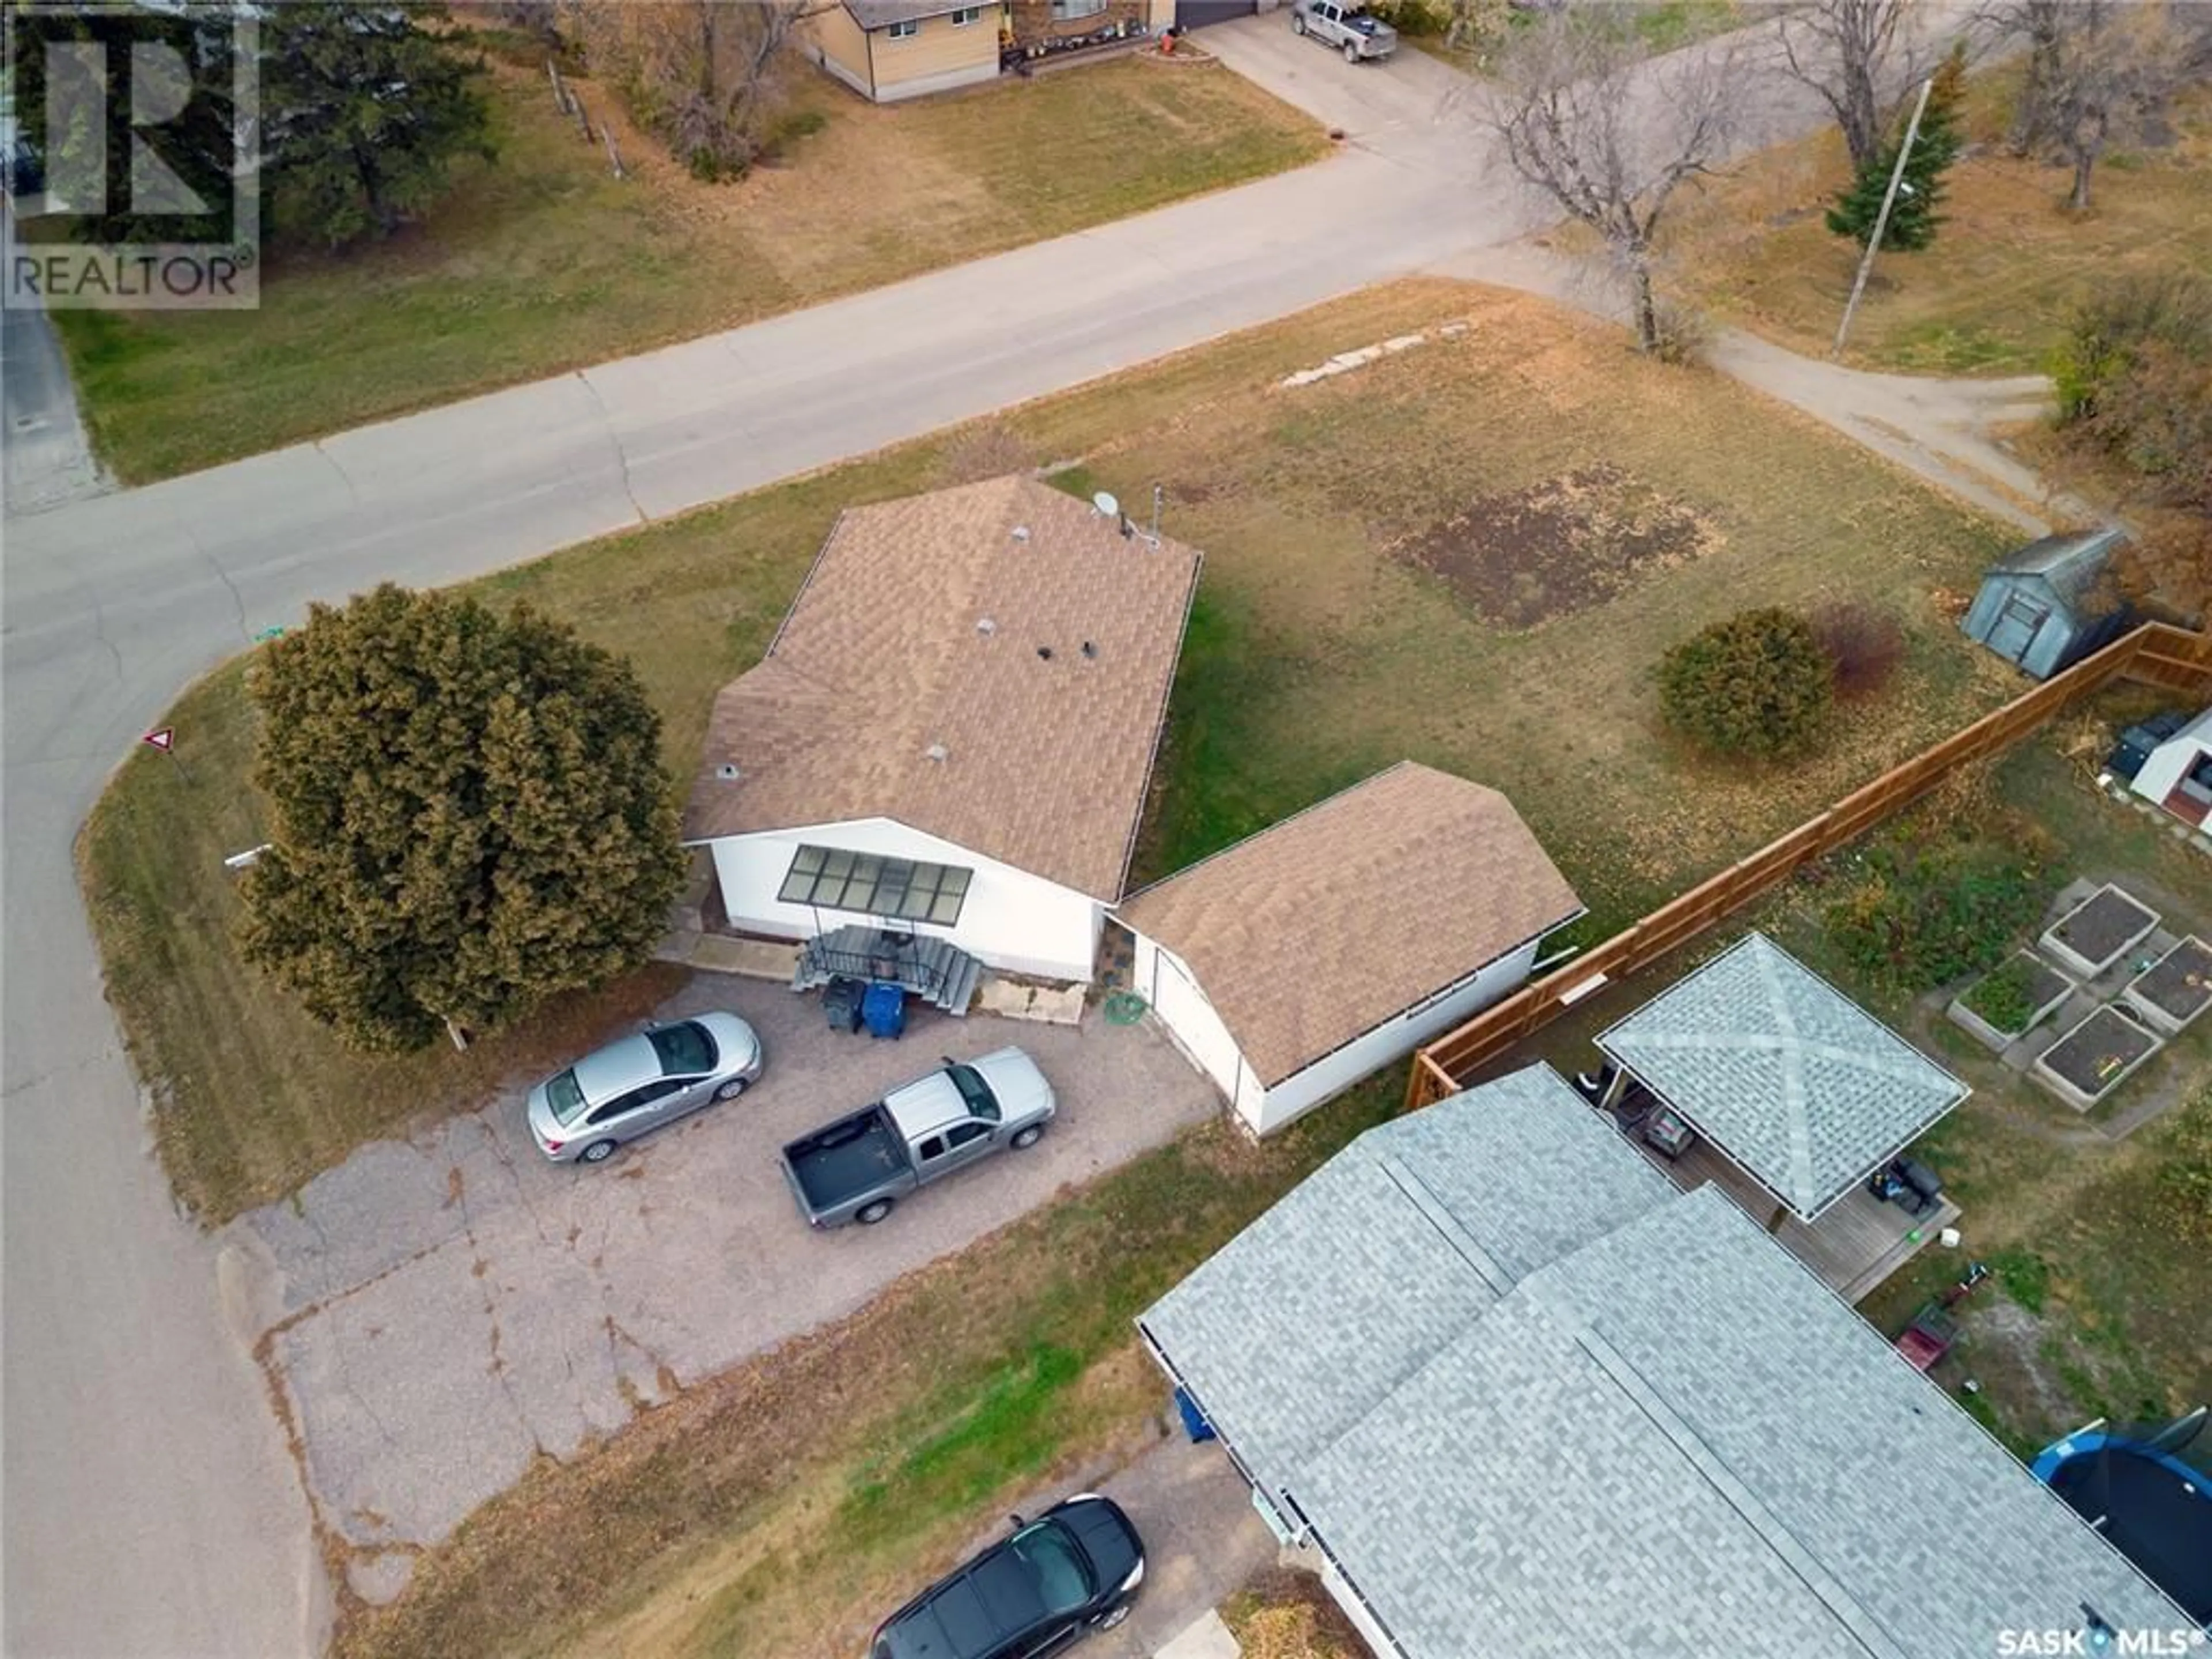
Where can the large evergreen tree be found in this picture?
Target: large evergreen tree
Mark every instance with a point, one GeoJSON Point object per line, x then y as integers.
{"type": "Point", "coordinates": [469, 814]}
{"type": "Point", "coordinates": [363, 110]}
{"type": "Point", "coordinates": [1912, 217]}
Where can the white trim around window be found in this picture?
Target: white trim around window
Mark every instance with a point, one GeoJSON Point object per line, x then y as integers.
{"type": "Point", "coordinates": [967, 15]}
{"type": "Point", "coordinates": [903, 31]}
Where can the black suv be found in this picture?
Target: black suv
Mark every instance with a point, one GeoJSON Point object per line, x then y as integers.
{"type": "Point", "coordinates": [1049, 1583]}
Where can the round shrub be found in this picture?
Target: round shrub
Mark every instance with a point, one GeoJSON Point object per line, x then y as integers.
{"type": "Point", "coordinates": [1758, 683]}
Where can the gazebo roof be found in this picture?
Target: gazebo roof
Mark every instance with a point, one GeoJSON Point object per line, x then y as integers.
{"type": "Point", "coordinates": [1794, 1083]}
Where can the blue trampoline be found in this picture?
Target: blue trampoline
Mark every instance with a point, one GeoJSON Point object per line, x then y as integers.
{"type": "Point", "coordinates": [2154, 1508]}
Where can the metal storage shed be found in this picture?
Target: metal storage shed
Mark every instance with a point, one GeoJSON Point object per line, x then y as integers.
{"type": "Point", "coordinates": [2052, 603]}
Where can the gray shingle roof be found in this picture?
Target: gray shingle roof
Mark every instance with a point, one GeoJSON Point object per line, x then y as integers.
{"type": "Point", "coordinates": [882, 14]}
{"type": "Point", "coordinates": [1801, 1087]}
{"type": "Point", "coordinates": [1386, 1254]}
{"type": "Point", "coordinates": [2075, 564]}
{"type": "Point", "coordinates": [1669, 1439]}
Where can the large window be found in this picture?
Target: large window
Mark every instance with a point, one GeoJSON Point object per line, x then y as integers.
{"type": "Point", "coordinates": [1067, 11]}
{"type": "Point", "coordinates": [837, 880]}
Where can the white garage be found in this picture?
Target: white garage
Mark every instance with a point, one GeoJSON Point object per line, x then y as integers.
{"type": "Point", "coordinates": [1294, 963]}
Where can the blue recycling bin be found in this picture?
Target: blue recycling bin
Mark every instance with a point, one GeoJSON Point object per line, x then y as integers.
{"type": "Point", "coordinates": [883, 1010]}
{"type": "Point", "coordinates": [1193, 1420]}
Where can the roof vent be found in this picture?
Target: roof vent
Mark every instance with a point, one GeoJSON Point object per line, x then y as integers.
{"type": "Point", "coordinates": [938, 752]}
{"type": "Point", "coordinates": [986, 627]}
{"type": "Point", "coordinates": [1021, 532]}
{"type": "Point", "coordinates": [1089, 649]}
{"type": "Point", "coordinates": [1044, 653]}
{"type": "Point", "coordinates": [727, 772]}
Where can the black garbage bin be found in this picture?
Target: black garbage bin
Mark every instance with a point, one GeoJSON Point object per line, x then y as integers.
{"type": "Point", "coordinates": [840, 1003]}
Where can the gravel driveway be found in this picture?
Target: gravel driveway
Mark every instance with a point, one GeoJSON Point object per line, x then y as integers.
{"type": "Point", "coordinates": [442, 1310]}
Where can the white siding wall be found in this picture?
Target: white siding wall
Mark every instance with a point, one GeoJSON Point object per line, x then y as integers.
{"type": "Point", "coordinates": [1012, 920]}
{"type": "Point", "coordinates": [1165, 981]}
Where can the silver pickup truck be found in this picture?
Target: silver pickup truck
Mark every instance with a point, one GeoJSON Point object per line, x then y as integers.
{"type": "Point", "coordinates": [1360, 36]}
{"type": "Point", "coordinates": [856, 1169]}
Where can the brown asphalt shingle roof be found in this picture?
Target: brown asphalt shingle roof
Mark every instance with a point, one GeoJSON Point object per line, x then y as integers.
{"type": "Point", "coordinates": [882, 659]}
{"type": "Point", "coordinates": [1322, 927]}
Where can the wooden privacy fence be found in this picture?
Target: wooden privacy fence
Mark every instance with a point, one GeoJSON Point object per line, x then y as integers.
{"type": "Point", "coordinates": [2154, 654]}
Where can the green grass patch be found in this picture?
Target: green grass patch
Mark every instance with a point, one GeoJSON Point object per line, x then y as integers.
{"type": "Point", "coordinates": [542, 261]}
{"type": "Point", "coordinates": [1006, 1432]}
{"type": "Point", "coordinates": [2024, 1275]}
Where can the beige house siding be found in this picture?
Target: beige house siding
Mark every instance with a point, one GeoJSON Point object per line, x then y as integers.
{"type": "Point", "coordinates": [1160, 16]}
{"type": "Point", "coordinates": [841, 46]}
{"type": "Point", "coordinates": [938, 55]}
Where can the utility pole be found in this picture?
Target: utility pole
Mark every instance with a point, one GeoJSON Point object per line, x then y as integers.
{"type": "Point", "coordinates": [1882, 219]}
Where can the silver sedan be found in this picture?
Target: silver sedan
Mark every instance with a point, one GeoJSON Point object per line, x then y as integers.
{"type": "Point", "coordinates": [639, 1083]}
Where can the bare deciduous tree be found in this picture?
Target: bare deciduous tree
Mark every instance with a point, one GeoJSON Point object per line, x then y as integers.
{"type": "Point", "coordinates": [2038, 22]}
{"type": "Point", "coordinates": [1609, 137]}
{"type": "Point", "coordinates": [2112, 68]}
{"type": "Point", "coordinates": [702, 74]}
{"type": "Point", "coordinates": [1846, 50]}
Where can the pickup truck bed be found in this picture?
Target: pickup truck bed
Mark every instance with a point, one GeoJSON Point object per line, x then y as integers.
{"type": "Point", "coordinates": [845, 1158]}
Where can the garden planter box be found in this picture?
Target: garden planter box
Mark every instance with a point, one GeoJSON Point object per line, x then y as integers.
{"type": "Point", "coordinates": [2046, 988]}
{"type": "Point", "coordinates": [2176, 988]}
{"type": "Point", "coordinates": [2098, 931]}
{"type": "Point", "coordinates": [2085, 1065]}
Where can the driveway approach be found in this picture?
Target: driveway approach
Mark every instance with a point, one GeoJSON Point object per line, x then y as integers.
{"type": "Point", "coordinates": [446, 1309]}
{"type": "Point", "coordinates": [149, 1507]}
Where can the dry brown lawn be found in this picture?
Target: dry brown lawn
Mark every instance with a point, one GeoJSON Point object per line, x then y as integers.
{"type": "Point", "coordinates": [1993, 293]}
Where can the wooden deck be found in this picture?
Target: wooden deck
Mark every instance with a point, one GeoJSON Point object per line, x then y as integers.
{"type": "Point", "coordinates": [1857, 1244]}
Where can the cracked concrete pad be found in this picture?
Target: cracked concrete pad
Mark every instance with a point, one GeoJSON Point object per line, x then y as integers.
{"type": "Point", "coordinates": [451, 1307]}
{"type": "Point", "coordinates": [406, 1425]}
{"type": "Point", "coordinates": [387, 1204]}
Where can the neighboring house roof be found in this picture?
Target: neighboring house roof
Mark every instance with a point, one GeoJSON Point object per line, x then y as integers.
{"type": "Point", "coordinates": [881, 14]}
{"type": "Point", "coordinates": [1350, 1284]}
{"type": "Point", "coordinates": [2075, 566]}
{"type": "Point", "coordinates": [907, 684]}
{"type": "Point", "coordinates": [1645, 1428]}
{"type": "Point", "coordinates": [1802, 1088]}
{"type": "Point", "coordinates": [1323, 926]}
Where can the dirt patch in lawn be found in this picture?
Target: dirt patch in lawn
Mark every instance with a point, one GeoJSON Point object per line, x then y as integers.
{"type": "Point", "coordinates": [1561, 545]}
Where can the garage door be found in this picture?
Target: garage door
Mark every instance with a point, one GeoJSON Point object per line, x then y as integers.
{"type": "Point", "coordinates": [1197, 13]}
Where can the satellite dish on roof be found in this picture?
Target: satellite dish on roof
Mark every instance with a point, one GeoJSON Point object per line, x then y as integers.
{"type": "Point", "coordinates": [1107, 506]}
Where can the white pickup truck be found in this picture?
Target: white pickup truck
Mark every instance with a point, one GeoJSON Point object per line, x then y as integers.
{"type": "Point", "coordinates": [1360, 36]}
{"type": "Point", "coordinates": [856, 1169]}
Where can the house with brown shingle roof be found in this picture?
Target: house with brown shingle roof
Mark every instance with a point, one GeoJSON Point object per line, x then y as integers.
{"type": "Point", "coordinates": [1297, 961]}
{"type": "Point", "coordinates": [949, 739]}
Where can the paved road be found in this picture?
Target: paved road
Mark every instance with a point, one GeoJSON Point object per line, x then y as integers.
{"type": "Point", "coordinates": [150, 1507]}
{"type": "Point", "coordinates": [442, 1310]}
{"type": "Point", "coordinates": [46, 460]}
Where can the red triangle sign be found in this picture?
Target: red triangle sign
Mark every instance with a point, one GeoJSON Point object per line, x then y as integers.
{"type": "Point", "coordinates": [165, 740]}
